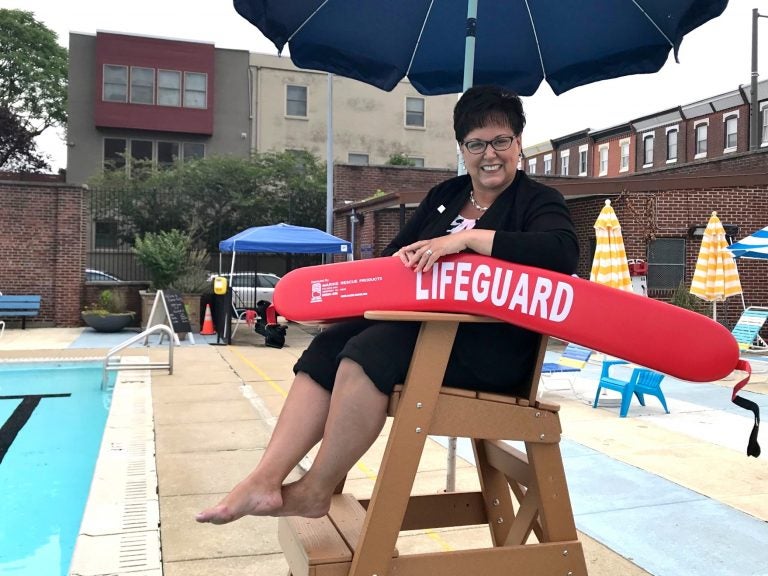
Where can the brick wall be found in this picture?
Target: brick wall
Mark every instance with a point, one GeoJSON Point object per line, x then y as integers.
{"type": "Point", "coordinates": [42, 242]}
{"type": "Point", "coordinates": [644, 215]}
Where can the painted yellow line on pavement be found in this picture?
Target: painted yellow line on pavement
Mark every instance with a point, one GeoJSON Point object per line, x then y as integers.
{"type": "Point", "coordinates": [279, 389]}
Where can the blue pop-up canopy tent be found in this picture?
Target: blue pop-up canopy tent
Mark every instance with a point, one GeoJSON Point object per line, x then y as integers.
{"type": "Point", "coordinates": [285, 238]}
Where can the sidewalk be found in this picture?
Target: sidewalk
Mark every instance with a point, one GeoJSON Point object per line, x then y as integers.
{"type": "Point", "coordinates": [652, 493]}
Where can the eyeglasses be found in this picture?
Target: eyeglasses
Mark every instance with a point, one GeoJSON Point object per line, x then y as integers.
{"type": "Point", "coordinates": [500, 143]}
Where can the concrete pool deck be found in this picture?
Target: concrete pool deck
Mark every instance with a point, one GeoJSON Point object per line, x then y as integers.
{"type": "Point", "coordinates": [652, 493]}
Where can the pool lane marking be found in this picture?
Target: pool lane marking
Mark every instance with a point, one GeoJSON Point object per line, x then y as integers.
{"type": "Point", "coordinates": [364, 468]}
{"type": "Point", "coordinates": [20, 416]}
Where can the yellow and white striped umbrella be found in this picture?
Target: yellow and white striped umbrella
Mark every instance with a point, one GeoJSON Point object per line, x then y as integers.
{"type": "Point", "coordinates": [715, 277]}
{"type": "Point", "coordinates": [609, 266]}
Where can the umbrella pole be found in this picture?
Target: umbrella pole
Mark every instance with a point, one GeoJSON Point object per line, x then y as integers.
{"type": "Point", "coordinates": [469, 68]}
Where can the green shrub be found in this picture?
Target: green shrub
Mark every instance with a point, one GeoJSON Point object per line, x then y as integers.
{"type": "Point", "coordinates": [171, 261]}
{"type": "Point", "coordinates": [109, 302]}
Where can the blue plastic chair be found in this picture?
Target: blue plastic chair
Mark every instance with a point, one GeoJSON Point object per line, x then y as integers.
{"type": "Point", "coordinates": [642, 381]}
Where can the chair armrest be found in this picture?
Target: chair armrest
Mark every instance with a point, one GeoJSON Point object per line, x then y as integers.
{"type": "Point", "coordinates": [607, 364]}
{"type": "Point", "coordinates": [410, 316]}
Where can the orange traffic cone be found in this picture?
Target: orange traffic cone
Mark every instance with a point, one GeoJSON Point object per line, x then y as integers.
{"type": "Point", "coordinates": [208, 329]}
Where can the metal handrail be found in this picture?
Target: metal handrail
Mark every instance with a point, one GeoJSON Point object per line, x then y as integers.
{"type": "Point", "coordinates": [108, 366]}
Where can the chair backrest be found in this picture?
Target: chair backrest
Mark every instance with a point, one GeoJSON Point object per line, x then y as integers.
{"type": "Point", "coordinates": [749, 325]}
{"type": "Point", "coordinates": [575, 356]}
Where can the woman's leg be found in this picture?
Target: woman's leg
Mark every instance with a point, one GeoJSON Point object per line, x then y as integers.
{"type": "Point", "coordinates": [357, 413]}
{"type": "Point", "coordinates": [299, 427]}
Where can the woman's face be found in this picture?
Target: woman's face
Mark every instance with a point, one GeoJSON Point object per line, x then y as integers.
{"type": "Point", "coordinates": [492, 170]}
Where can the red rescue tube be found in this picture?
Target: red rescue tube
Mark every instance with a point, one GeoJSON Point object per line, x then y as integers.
{"type": "Point", "coordinates": [647, 332]}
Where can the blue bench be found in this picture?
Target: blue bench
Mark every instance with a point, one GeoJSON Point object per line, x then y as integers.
{"type": "Point", "coordinates": [19, 307]}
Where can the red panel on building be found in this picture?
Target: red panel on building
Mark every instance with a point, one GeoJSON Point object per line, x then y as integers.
{"type": "Point", "coordinates": [157, 54]}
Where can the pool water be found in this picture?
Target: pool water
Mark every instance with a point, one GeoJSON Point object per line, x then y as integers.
{"type": "Point", "coordinates": [52, 418]}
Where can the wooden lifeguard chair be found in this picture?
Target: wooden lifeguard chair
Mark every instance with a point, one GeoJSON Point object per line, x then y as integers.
{"type": "Point", "coordinates": [358, 538]}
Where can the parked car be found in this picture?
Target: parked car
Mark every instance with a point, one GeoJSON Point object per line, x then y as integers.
{"type": "Point", "coordinates": [99, 276]}
{"type": "Point", "coordinates": [249, 287]}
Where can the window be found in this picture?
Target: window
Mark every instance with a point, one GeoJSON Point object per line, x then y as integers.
{"type": "Point", "coordinates": [547, 163]}
{"type": "Point", "coordinates": [168, 88]}
{"type": "Point", "coordinates": [648, 150]}
{"type": "Point", "coordinates": [731, 130]}
{"type": "Point", "coordinates": [195, 90]}
{"type": "Point", "coordinates": [141, 157]}
{"type": "Point", "coordinates": [193, 150]}
{"type": "Point", "coordinates": [296, 101]}
{"type": "Point", "coordinates": [167, 154]}
{"type": "Point", "coordinates": [583, 160]}
{"type": "Point", "coordinates": [603, 150]}
{"type": "Point", "coordinates": [114, 153]}
{"type": "Point", "coordinates": [532, 166]}
{"type": "Point", "coordinates": [565, 158]}
{"type": "Point", "coordinates": [764, 138]}
{"type": "Point", "coordinates": [672, 145]}
{"type": "Point", "coordinates": [414, 112]}
{"type": "Point", "coordinates": [417, 161]}
{"type": "Point", "coordinates": [624, 158]}
{"type": "Point", "coordinates": [142, 85]}
{"type": "Point", "coordinates": [666, 263]}
{"type": "Point", "coordinates": [700, 131]}
{"type": "Point", "coordinates": [105, 234]}
{"type": "Point", "coordinates": [115, 88]}
{"type": "Point", "coordinates": [358, 159]}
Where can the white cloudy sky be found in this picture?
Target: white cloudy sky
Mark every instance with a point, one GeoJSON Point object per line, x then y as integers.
{"type": "Point", "coordinates": [715, 58]}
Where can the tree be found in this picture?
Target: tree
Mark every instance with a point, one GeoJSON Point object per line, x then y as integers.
{"type": "Point", "coordinates": [213, 198]}
{"type": "Point", "coordinates": [33, 86]}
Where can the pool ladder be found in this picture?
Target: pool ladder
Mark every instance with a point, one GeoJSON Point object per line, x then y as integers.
{"type": "Point", "coordinates": [112, 362]}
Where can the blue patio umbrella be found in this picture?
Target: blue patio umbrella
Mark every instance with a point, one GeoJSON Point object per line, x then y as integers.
{"type": "Point", "coordinates": [446, 46]}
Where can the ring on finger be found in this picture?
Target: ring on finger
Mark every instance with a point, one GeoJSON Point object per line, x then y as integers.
{"type": "Point", "coordinates": [428, 252]}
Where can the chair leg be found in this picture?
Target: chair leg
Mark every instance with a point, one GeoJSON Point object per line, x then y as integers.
{"type": "Point", "coordinates": [663, 401]}
{"type": "Point", "coordinates": [597, 396]}
{"type": "Point", "coordinates": [640, 398]}
{"type": "Point", "coordinates": [626, 400]}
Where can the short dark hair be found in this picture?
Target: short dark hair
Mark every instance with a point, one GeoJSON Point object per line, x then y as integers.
{"type": "Point", "coordinates": [484, 105]}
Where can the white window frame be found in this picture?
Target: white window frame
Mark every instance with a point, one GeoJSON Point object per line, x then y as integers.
{"type": "Point", "coordinates": [184, 150]}
{"type": "Point", "coordinates": [418, 161]}
{"type": "Point", "coordinates": [547, 164]}
{"type": "Point", "coordinates": [186, 100]}
{"type": "Point", "coordinates": [134, 85]}
{"type": "Point", "coordinates": [696, 126]}
{"type": "Point", "coordinates": [565, 160]}
{"type": "Point", "coordinates": [652, 137]}
{"type": "Point", "coordinates": [532, 166]}
{"type": "Point", "coordinates": [764, 124]}
{"type": "Point", "coordinates": [104, 83]}
{"type": "Point", "coordinates": [304, 116]}
{"type": "Point", "coordinates": [361, 155]}
{"type": "Point", "coordinates": [583, 159]}
{"type": "Point", "coordinates": [734, 115]}
{"type": "Point", "coordinates": [623, 158]}
{"type": "Point", "coordinates": [602, 151]}
{"type": "Point", "coordinates": [675, 129]}
{"type": "Point", "coordinates": [422, 113]}
{"type": "Point", "coordinates": [173, 90]}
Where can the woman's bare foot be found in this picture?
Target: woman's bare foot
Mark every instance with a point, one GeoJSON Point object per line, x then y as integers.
{"type": "Point", "coordinates": [300, 499]}
{"type": "Point", "coordinates": [248, 498]}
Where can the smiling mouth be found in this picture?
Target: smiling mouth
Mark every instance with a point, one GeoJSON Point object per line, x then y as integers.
{"type": "Point", "coordinates": [493, 168]}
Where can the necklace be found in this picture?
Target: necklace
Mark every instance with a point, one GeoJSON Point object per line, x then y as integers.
{"type": "Point", "coordinates": [474, 202]}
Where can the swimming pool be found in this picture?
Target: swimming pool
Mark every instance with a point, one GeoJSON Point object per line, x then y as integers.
{"type": "Point", "coordinates": [52, 418]}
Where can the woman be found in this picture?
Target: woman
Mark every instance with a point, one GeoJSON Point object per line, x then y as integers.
{"type": "Point", "coordinates": [345, 376]}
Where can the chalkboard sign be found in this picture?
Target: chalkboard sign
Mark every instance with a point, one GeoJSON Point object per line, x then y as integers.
{"type": "Point", "coordinates": [177, 313]}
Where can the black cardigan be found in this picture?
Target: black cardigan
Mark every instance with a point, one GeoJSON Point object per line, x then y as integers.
{"type": "Point", "coordinates": [533, 227]}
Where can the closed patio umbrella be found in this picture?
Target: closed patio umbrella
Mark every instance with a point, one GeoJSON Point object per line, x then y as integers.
{"type": "Point", "coordinates": [715, 277]}
{"type": "Point", "coordinates": [609, 265]}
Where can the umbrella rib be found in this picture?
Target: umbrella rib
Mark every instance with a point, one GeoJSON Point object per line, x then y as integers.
{"type": "Point", "coordinates": [306, 21]}
{"type": "Point", "coordinates": [536, 37]}
{"type": "Point", "coordinates": [635, 2]}
{"type": "Point", "coordinates": [418, 40]}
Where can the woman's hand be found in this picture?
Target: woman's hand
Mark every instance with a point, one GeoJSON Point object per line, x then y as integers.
{"type": "Point", "coordinates": [422, 254]}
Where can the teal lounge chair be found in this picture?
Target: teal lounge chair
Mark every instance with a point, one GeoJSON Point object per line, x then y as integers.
{"type": "Point", "coordinates": [747, 329]}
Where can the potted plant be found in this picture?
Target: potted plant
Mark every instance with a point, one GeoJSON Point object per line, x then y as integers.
{"type": "Point", "coordinates": [108, 314]}
{"type": "Point", "coordinates": [172, 262]}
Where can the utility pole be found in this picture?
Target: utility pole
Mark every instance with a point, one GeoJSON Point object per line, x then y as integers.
{"type": "Point", "coordinates": [754, 127]}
